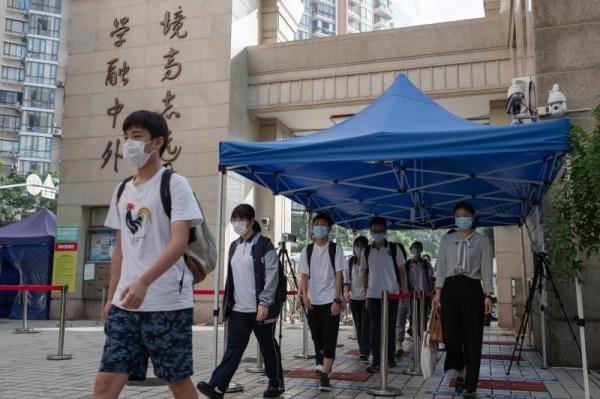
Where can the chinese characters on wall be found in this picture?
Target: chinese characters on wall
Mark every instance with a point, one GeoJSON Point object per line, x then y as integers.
{"type": "Point", "coordinates": [116, 75]}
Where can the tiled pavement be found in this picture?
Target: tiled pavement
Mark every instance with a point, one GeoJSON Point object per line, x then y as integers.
{"type": "Point", "coordinates": [25, 372]}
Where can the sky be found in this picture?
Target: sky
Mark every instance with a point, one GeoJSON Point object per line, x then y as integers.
{"type": "Point", "coordinates": [422, 12]}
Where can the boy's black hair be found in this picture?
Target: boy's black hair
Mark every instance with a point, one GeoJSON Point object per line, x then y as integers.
{"type": "Point", "coordinates": [153, 122]}
{"type": "Point", "coordinates": [325, 217]}
{"type": "Point", "coordinates": [416, 243]}
{"type": "Point", "coordinates": [379, 220]}
{"type": "Point", "coordinates": [361, 240]}
{"type": "Point", "coordinates": [246, 212]}
{"type": "Point", "coordinates": [466, 206]}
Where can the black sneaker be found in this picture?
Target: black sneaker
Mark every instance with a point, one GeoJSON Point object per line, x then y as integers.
{"type": "Point", "coordinates": [392, 363]}
{"type": "Point", "coordinates": [373, 369]}
{"type": "Point", "coordinates": [273, 392]}
{"type": "Point", "coordinates": [364, 357]}
{"type": "Point", "coordinates": [209, 390]}
{"type": "Point", "coordinates": [325, 386]}
{"type": "Point", "coordinates": [469, 395]}
{"type": "Point", "coordinates": [459, 385]}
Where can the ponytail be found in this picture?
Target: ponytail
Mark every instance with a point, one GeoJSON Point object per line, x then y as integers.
{"type": "Point", "coordinates": [256, 227]}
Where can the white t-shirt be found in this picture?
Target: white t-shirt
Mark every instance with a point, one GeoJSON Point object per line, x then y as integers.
{"type": "Point", "coordinates": [145, 233]}
{"type": "Point", "coordinates": [382, 276]}
{"type": "Point", "coordinates": [242, 267]}
{"type": "Point", "coordinates": [356, 281]}
{"type": "Point", "coordinates": [321, 284]}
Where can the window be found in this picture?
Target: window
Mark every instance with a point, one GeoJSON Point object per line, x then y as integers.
{"type": "Point", "coordinates": [15, 26]}
{"type": "Point", "coordinates": [323, 27]}
{"type": "Point", "coordinates": [8, 97]}
{"type": "Point", "coordinates": [42, 49]}
{"type": "Point", "coordinates": [40, 73]}
{"type": "Point", "coordinates": [13, 74]}
{"type": "Point", "coordinates": [52, 6]}
{"type": "Point", "coordinates": [14, 50]}
{"type": "Point", "coordinates": [20, 5]}
{"type": "Point", "coordinates": [35, 147]}
{"type": "Point", "coordinates": [38, 121]}
{"type": "Point", "coordinates": [11, 123]}
{"type": "Point", "coordinates": [9, 147]}
{"type": "Point", "coordinates": [38, 97]}
{"type": "Point", "coordinates": [324, 10]}
{"type": "Point", "coordinates": [27, 167]}
{"type": "Point", "coordinates": [44, 25]}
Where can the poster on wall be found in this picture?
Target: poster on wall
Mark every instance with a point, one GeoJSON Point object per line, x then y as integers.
{"type": "Point", "coordinates": [65, 256]}
{"type": "Point", "coordinates": [102, 245]}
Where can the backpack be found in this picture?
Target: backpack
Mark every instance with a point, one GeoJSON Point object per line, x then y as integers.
{"type": "Point", "coordinates": [332, 251]}
{"type": "Point", "coordinates": [201, 254]}
{"type": "Point", "coordinates": [393, 252]}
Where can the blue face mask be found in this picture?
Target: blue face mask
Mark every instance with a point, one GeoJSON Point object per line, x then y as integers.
{"type": "Point", "coordinates": [378, 237]}
{"type": "Point", "coordinates": [320, 232]}
{"type": "Point", "coordinates": [358, 251]}
{"type": "Point", "coordinates": [463, 223]}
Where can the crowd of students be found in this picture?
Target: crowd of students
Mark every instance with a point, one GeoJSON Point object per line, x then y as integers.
{"type": "Point", "coordinates": [150, 307]}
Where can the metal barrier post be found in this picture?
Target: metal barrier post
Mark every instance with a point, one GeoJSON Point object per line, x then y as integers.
{"type": "Point", "coordinates": [415, 367]}
{"type": "Point", "coordinates": [61, 330]}
{"type": "Point", "coordinates": [305, 355]}
{"type": "Point", "coordinates": [233, 386]}
{"type": "Point", "coordinates": [384, 389]}
{"type": "Point", "coordinates": [102, 301]}
{"type": "Point", "coordinates": [25, 329]}
{"type": "Point", "coordinates": [259, 369]}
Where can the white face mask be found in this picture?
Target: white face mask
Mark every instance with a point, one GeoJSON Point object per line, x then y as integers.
{"type": "Point", "coordinates": [133, 152]}
{"type": "Point", "coordinates": [240, 228]}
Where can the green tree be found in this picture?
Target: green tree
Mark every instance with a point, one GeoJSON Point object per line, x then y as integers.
{"type": "Point", "coordinates": [16, 201]}
{"type": "Point", "coordinates": [573, 222]}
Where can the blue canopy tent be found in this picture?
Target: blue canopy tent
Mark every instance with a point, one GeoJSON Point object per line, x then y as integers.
{"type": "Point", "coordinates": [406, 158]}
{"type": "Point", "coordinates": [26, 250]}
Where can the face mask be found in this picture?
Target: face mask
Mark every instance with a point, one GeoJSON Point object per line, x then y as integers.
{"type": "Point", "coordinates": [358, 251]}
{"type": "Point", "coordinates": [463, 223]}
{"type": "Point", "coordinates": [133, 152]}
{"type": "Point", "coordinates": [240, 228]}
{"type": "Point", "coordinates": [417, 252]}
{"type": "Point", "coordinates": [320, 232]}
{"type": "Point", "coordinates": [378, 237]}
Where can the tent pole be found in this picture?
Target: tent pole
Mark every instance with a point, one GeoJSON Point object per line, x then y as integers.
{"type": "Point", "coordinates": [581, 322]}
{"type": "Point", "coordinates": [217, 275]}
{"type": "Point", "coordinates": [539, 246]}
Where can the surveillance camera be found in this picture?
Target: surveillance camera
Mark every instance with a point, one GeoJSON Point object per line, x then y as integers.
{"type": "Point", "coordinates": [557, 102]}
{"type": "Point", "coordinates": [515, 97]}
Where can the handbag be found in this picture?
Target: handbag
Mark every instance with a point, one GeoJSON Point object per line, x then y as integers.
{"type": "Point", "coordinates": [428, 356]}
{"type": "Point", "coordinates": [434, 329]}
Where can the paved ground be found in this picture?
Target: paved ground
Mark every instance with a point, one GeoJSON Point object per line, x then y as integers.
{"type": "Point", "coordinates": [25, 372]}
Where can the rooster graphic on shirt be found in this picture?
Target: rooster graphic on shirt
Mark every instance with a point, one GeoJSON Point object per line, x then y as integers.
{"type": "Point", "coordinates": [143, 216]}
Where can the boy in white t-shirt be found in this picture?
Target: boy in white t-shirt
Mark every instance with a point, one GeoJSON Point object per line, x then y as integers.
{"type": "Point", "coordinates": [322, 264]}
{"type": "Point", "coordinates": [150, 304]}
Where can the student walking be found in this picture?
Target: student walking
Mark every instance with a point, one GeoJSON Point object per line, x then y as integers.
{"type": "Point", "coordinates": [385, 272]}
{"type": "Point", "coordinates": [322, 264]}
{"type": "Point", "coordinates": [464, 261]}
{"type": "Point", "coordinates": [252, 302]}
{"type": "Point", "coordinates": [355, 293]}
{"type": "Point", "coordinates": [420, 274]}
{"type": "Point", "coordinates": [150, 305]}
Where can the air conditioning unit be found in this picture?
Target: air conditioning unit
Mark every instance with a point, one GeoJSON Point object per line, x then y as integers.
{"type": "Point", "coordinates": [57, 131]}
{"type": "Point", "coordinates": [60, 84]}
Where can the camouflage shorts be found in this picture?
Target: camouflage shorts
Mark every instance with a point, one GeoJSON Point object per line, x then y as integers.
{"type": "Point", "coordinates": [164, 337]}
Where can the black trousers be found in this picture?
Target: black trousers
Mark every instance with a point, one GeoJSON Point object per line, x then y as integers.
{"type": "Point", "coordinates": [374, 308]}
{"type": "Point", "coordinates": [463, 311]}
{"type": "Point", "coordinates": [361, 323]}
{"type": "Point", "coordinates": [324, 328]}
{"type": "Point", "coordinates": [240, 326]}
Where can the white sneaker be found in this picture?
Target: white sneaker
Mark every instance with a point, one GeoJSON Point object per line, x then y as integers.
{"type": "Point", "coordinates": [319, 369]}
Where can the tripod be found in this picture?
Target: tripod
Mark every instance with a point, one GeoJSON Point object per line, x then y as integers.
{"type": "Point", "coordinates": [541, 271]}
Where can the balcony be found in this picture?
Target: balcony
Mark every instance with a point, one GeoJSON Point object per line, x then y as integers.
{"type": "Point", "coordinates": [45, 6]}
{"type": "Point", "coordinates": [41, 31]}
{"type": "Point", "coordinates": [17, 6]}
{"type": "Point", "coordinates": [29, 103]}
{"type": "Point", "coordinates": [354, 14]}
{"type": "Point", "coordinates": [383, 10]}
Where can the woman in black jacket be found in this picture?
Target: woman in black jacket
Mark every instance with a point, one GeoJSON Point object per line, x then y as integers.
{"type": "Point", "coordinates": [252, 302]}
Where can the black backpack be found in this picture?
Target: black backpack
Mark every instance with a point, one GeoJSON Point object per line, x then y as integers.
{"type": "Point", "coordinates": [393, 252]}
{"type": "Point", "coordinates": [332, 251]}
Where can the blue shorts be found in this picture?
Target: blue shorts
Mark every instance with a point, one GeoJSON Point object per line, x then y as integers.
{"type": "Point", "coordinates": [164, 337]}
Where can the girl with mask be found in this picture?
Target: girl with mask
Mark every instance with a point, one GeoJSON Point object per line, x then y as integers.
{"type": "Point", "coordinates": [355, 293]}
{"type": "Point", "coordinates": [464, 262]}
{"type": "Point", "coordinates": [251, 303]}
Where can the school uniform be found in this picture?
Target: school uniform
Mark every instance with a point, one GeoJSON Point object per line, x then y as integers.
{"type": "Point", "coordinates": [462, 265]}
{"type": "Point", "coordinates": [323, 325]}
{"type": "Point", "coordinates": [354, 279]}
{"type": "Point", "coordinates": [383, 276]}
{"type": "Point", "coordinates": [252, 280]}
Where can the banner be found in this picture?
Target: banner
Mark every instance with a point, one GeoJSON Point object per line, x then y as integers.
{"type": "Point", "coordinates": [65, 256]}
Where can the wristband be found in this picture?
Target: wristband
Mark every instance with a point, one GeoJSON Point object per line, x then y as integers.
{"type": "Point", "coordinates": [338, 301]}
